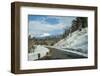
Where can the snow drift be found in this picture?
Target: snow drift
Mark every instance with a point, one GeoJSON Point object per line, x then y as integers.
{"type": "Point", "coordinates": [77, 40]}
{"type": "Point", "coordinates": [39, 52]}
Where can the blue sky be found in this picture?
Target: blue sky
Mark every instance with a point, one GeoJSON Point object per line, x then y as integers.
{"type": "Point", "coordinates": [42, 25]}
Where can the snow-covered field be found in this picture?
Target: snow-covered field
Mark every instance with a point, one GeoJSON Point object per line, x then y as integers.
{"type": "Point", "coordinates": [39, 52]}
{"type": "Point", "coordinates": [77, 40]}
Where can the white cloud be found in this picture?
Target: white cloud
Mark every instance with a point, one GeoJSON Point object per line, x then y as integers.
{"type": "Point", "coordinates": [41, 27]}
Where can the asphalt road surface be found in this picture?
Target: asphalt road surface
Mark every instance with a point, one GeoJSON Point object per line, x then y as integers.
{"type": "Point", "coordinates": [59, 54]}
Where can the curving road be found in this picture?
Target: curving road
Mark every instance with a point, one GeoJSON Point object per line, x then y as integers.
{"type": "Point", "coordinates": [59, 54]}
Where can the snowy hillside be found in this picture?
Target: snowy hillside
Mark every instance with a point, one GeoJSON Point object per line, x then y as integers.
{"type": "Point", "coordinates": [39, 52]}
{"type": "Point", "coordinates": [77, 40]}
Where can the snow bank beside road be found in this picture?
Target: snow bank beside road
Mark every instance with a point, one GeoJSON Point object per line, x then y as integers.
{"type": "Point", "coordinates": [39, 52]}
{"type": "Point", "coordinates": [76, 40]}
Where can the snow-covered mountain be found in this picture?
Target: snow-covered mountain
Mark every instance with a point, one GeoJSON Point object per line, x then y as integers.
{"type": "Point", "coordinates": [77, 40]}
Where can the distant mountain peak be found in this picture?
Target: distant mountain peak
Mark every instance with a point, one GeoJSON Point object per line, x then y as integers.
{"type": "Point", "coordinates": [44, 35]}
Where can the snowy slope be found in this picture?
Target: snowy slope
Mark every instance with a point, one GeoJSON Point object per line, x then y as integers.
{"type": "Point", "coordinates": [39, 49]}
{"type": "Point", "coordinates": [77, 40]}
